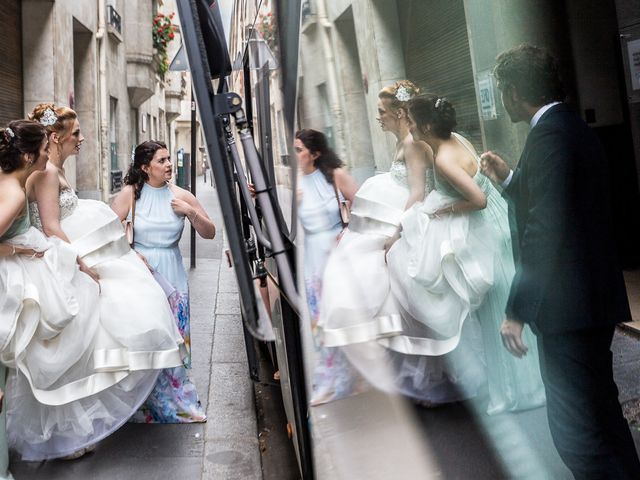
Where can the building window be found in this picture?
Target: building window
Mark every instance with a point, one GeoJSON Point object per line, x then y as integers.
{"type": "Point", "coordinates": [328, 118]}
{"type": "Point", "coordinates": [113, 132]}
{"type": "Point", "coordinates": [134, 129]}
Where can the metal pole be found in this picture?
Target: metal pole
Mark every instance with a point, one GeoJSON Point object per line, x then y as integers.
{"type": "Point", "coordinates": [193, 173]}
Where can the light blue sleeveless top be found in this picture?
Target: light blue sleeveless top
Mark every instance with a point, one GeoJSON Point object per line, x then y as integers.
{"type": "Point", "coordinates": [157, 233]}
{"type": "Point", "coordinates": [318, 210]}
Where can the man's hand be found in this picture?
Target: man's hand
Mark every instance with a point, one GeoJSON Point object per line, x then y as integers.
{"type": "Point", "coordinates": [511, 332]}
{"type": "Point", "coordinates": [89, 271]}
{"type": "Point", "coordinates": [494, 167]}
{"type": "Point", "coordinates": [389, 243]}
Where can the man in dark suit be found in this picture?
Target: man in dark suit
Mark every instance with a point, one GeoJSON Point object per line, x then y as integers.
{"type": "Point", "coordinates": [568, 286]}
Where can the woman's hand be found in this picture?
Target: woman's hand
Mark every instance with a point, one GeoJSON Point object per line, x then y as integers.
{"type": "Point", "coordinates": [182, 208]}
{"type": "Point", "coordinates": [24, 252]}
{"type": "Point", "coordinates": [144, 260]}
{"type": "Point", "coordinates": [389, 243]}
{"type": "Point", "coordinates": [184, 203]}
{"type": "Point", "coordinates": [448, 210]}
{"type": "Point", "coordinates": [89, 271]}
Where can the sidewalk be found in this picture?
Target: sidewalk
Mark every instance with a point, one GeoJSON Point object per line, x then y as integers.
{"type": "Point", "coordinates": [226, 447]}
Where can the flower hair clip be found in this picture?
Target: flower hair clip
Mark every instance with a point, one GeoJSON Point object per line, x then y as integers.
{"type": "Point", "coordinates": [439, 103]}
{"type": "Point", "coordinates": [8, 133]}
{"type": "Point", "coordinates": [48, 118]}
{"type": "Point", "coordinates": [403, 94]}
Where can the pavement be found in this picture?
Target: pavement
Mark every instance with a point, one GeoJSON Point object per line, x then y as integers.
{"type": "Point", "coordinates": [226, 446]}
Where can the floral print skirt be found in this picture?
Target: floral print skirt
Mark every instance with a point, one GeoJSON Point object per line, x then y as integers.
{"type": "Point", "coordinates": [333, 375]}
{"type": "Point", "coordinates": [174, 399]}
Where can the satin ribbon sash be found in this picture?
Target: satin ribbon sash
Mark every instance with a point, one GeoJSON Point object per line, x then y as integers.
{"type": "Point", "coordinates": [421, 346]}
{"type": "Point", "coordinates": [121, 358]}
{"type": "Point", "coordinates": [381, 326]}
{"type": "Point", "coordinates": [375, 210]}
{"type": "Point", "coordinates": [111, 368]}
{"type": "Point", "coordinates": [105, 243]}
{"type": "Point", "coordinates": [368, 225]}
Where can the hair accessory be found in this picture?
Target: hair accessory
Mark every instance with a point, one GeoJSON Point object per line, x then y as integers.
{"type": "Point", "coordinates": [9, 134]}
{"type": "Point", "coordinates": [438, 103]}
{"type": "Point", "coordinates": [403, 94]}
{"type": "Point", "coordinates": [48, 118]}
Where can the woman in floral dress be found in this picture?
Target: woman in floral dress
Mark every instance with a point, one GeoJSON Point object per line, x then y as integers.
{"type": "Point", "coordinates": [160, 210]}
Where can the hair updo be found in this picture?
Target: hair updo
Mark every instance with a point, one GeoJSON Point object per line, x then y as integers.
{"type": "Point", "coordinates": [316, 142]}
{"type": "Point", "coordinates": [400, 93]}
{"type": "Point", "coordinates": [64, 118]}
{"type": "Point", "coordinates": [142, 155]}
{"type": "Point", "coordinates": [430, 109]}
{"type": "Point", "coordinates": [20, 137]}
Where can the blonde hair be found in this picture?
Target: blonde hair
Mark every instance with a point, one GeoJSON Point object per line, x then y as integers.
{"type": "Point", "coordinates": [391, 92]}
{"type": "Point", "coordinates": [64, 122]}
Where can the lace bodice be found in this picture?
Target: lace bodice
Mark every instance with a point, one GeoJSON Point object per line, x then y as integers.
{"type": "Point", "coordinates": [68, 201]}
{"type": "Point", "coordinates": [399, 173]}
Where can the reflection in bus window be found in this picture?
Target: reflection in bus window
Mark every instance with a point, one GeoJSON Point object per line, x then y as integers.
{"type": "Point", "coordinates": [415, 292]}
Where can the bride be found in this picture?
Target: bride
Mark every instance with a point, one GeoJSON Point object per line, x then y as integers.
{"type": "Point", "coordinates": [453, 265]}
{"type": "Point", "coordinates": [131, 327]}
{"type": "Point", "coordinates": [356, 304]}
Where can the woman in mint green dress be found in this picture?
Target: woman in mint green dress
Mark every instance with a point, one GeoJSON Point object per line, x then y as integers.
{"type": "Point", "coordinates": [453, 265]}
{"type": "Point", "coordinates": [160, 212]}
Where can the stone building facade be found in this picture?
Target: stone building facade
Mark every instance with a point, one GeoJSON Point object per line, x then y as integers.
{"type": "Point", "coordinates": [350, 49]}
{"type": "Point", "coordinates": [96, 56]}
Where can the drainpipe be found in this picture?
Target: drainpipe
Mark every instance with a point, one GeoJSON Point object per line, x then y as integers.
{"type": "Point", "coordinates": [332, 76]}
{"type": "Point", "coordinates": [103, 105]}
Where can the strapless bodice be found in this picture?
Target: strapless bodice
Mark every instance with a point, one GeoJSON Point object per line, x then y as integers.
{"type": "Point", "coordinates": [400, 173]}
{"type": "Point", "coordinates": [19, 225]}
{"type": "Point", "coordinates": [68, 201]}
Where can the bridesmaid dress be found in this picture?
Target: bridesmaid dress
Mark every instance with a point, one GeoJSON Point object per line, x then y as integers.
{"type": "Point", "coordinates": [77, 372]}
{"type": "Point", "coordinates": [157, 234]}
{"type": "Point", "coordinates": [450, 271]}
{"type": "Point", "coordinates": [319, 215]}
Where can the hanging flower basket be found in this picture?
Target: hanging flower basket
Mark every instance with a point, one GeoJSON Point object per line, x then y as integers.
{"type": "Point", "coordinates": [266, 26]}
{"type": "Point", "coordinates": [163, 33]}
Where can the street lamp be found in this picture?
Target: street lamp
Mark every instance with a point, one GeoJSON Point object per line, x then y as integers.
{"type": "Point", "coordinates": [260, 53]}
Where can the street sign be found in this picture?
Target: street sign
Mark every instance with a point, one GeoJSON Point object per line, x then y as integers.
{"type": "Point", "coordinates": [487, 97]}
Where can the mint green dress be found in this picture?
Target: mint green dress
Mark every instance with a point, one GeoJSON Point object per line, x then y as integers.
{"type": "Point", "coordinates": [448, 273]}
{"type": "Point", "coordinates": [20, 225]}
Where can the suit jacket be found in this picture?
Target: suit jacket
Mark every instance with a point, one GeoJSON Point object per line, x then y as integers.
{"type": "Point", "coordinates": [567, 272]}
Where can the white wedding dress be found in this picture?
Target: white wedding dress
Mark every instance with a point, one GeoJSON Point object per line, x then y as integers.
{"type": "Point", "coordinates": [82, 361]}
{"type": "Point", "coordinates": [358, 310]}
{"type": "Point", "coordinates": [452, 272]}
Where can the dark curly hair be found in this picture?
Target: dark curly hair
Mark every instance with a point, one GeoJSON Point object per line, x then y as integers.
{"type": "Point", "coordinates": [533, 72]}
{"type": "Point", "coordinates": [142, 155]}
{"type": "Point", "coordinates": [316, 142]}
{"type": "Point", "coordinates": [20, 137]}
{"type": "Point", "coordinates": [430, 109]}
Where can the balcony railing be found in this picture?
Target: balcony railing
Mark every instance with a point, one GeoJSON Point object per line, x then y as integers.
{"type": "Point", "coordinates": [114, 19]}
